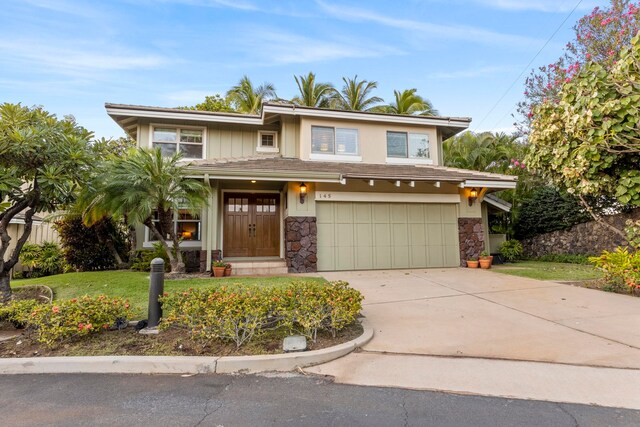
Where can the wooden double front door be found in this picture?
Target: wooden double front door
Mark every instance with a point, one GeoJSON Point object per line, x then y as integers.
{"type": "Point", "coordinates": [251, 225]}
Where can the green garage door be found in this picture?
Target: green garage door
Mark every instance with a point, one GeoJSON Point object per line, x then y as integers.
{"type": "Point", "coordinates": [366, 236]}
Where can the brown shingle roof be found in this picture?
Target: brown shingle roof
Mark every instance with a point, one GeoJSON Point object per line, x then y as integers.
{"type": "Point", "coordinates": [348, 170]}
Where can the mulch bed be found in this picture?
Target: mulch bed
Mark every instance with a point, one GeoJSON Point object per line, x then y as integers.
{"type": "Point", "coordinates": [173, 342]}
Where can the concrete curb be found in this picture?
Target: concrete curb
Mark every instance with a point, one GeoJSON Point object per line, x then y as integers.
{"type": "Point", "coordinates": [181, 364]}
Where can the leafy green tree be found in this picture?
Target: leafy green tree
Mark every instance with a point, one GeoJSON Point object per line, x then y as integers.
{"type": "Point", "coordinates": [587, 142]}
{"type": "Point", "coordinates": [312, 94]}
{"type": "Point", "coordinates": [599, 37]}
{"type": "Point", "coordinates": [215, 103]}
{"type": "Point", "coordinates": [355, 95]}
{"type": "Point", "coordinates": [147, 188]}
{"type": "Point", "coordinates": [246, 98]}
{"type": "Point", "coordinates": [486, 151]}
{"type": "Point", "coordinates": [111, 146]}
{"type": "Point", "coordinates": [408, 102]}
{"type": "Point", "coordinates": [43, 160]}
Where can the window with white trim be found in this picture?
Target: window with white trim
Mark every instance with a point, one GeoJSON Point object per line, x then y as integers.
{"type": "Point", "coordinates": [329, 140]}
{"type": "Point", "coordinates": [171, 140]}
{"type": "Point", "coordinates": [267, 142]}
{"type": "Point", "coordinates": [185, 225]}
{"type": "Point", "coordinates": [404, 145]}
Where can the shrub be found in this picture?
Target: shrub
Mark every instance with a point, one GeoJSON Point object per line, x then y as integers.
{"type": "Point", "coordinates": [621, 269]}
{"type": "Point", "coordinates": [43, 259]}
{"type": "Point", "coordinates": [85, 248]}
{"type": "Point", "coordinates": [18, 312]}
{"type": "Point", "coordinates": [76, 317]}
{"type": "Point", "coordinates": [511, 250]}
{"type": "Point", "coordinates": [240, 314]}
{"type": "Point", "coordinates": [564, 258]}
{"type": "Point", "coordinates": [143, 258]}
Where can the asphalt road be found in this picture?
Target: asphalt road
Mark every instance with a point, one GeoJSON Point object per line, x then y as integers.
{"type": "Point", "coordinates": [289, 400]}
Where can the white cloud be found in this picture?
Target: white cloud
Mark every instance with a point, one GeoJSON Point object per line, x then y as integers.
{"type": "Point", "coordinates": [281, 48]}
{"type": "Point", "coordinates": [75, 58]}
{"type": "Point", "coordinates": [419, 28]}
{"type": "Point", "coordinates": [231, 4]}
{"type": "Point", "coordinates": [471, 72]}
{"type": "Point", "coordinates": [554, 6]}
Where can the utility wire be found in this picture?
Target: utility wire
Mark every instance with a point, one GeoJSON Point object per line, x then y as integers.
{"type": "Point", "coordinates": [526, 68]}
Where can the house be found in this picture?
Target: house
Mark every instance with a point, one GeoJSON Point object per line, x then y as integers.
{"type": "Point", "coordinates": [318, 189]}
{"type": "Point", "coordinates": [41, 231]}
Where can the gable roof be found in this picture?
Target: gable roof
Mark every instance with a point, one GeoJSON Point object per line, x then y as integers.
{"type": "Point", "coordinates": [292, 168]}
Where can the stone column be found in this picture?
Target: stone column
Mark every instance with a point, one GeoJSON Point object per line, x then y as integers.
{"type": "Point", "coordinates": [301, 244]}
{"type": "Point", "coordinates": [471, 239]}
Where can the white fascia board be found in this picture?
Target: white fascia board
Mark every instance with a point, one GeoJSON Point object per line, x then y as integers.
{"type": "Point", "coordinates": [422, 120]}
{"type": "Point", "coordinates": [184, 116]}
{"type": "Point", "coordinates": [372, 196]}
{"type": "Point", "coordinates": [266, 175]}
{"type": "Point", "coordinates": [490, 184]}
{"type": "Point", "coordinates": [496, 204]}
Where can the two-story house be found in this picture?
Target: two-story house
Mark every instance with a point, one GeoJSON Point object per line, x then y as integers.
{"type": "Point", "coordinates": [319, 190]}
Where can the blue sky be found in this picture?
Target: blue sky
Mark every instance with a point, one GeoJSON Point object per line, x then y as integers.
{"type": "Point", "coordinates": [73, 56]}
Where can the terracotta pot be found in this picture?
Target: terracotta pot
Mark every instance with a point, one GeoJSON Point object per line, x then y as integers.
{"type": "Point", "coordinates": [472, 264]}
{"type": "Point", "coordinates": [218, 271]}
{"type": "Point", "coordinates": [227, 271]}
{"type": "Point", "coordinates": [485, 262]}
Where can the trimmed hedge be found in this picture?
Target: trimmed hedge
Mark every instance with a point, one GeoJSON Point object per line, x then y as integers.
{"type": "Point", "coordinates": [240, 314]}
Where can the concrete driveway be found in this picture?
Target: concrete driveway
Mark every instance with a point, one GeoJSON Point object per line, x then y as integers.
{"type": "Point", "coordinates": [437, 319]}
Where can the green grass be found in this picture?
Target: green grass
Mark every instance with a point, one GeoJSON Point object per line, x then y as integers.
{"type": "Point", "coordinates": [135, 285]}
{"type": "Point", "coordinates": [550, 271]}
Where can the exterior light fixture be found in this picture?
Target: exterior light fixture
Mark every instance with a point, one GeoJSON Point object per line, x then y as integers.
{"type": "Point", "coordinates": [303, 193]}
{"type": "Point", "coordinates": [253, 181]}
{"type": "Point", "coordinates": [473, 195]}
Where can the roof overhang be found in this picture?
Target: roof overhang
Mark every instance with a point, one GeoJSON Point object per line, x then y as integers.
{"type": "Point", "coordinates": [490, 184]}
{"type": "Point", "coordinates": [263, 175]}
{"type": "Point", "coordinates": [498, 203]}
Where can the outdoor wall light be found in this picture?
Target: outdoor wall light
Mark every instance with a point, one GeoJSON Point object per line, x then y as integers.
{"type": "Point", "coordinates": [473, 195]}
{"type": "Point", "coordinates": [303, 193]}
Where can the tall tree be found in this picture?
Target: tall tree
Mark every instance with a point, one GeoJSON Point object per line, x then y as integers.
{"type": "Point", "coordinates": [214, 103]}
{"type": "Point", "coordinates": [43, 160]}
{"type": "Point", "coordinates": [312, 94]}
{"type": "Point", "coordinates": [246, 98]}
{"type": "Point", "coordinates": [408, 102]}
{"type": "Point", "coordinates": [599, 37]}
{"type": "Point", "coordinates": [147, 188]}
{"type": "Point", "coordinates": [355, 95]}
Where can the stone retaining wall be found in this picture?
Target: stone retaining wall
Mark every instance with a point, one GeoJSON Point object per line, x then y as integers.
{"type": "Point", "coordinates": [589, 238]}
{"type": "Point", "coordinates": [471, 238]}
{"type": "Point", "coordinates": [301, 244]}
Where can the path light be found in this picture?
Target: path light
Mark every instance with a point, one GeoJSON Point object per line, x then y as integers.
{"type": "Point", "coordinates": [473, 195]}
{"type": "Point", "coordinates": [303, 193]}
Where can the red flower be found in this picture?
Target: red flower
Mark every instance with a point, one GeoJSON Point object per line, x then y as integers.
{"type": "Point", "coordinates": [55, 309]}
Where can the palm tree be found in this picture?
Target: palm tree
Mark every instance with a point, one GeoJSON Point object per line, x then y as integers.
{"type": "Point", "coordinates": [355, 95]}
{"type": "Point", "coordinates": [407, 102]}
{"type": "Point", "coordinates": [247, 99]}
{"type": "Point", "coordinates": [147, 188]}
{"type": "Point", "coordinates": [312, 94]}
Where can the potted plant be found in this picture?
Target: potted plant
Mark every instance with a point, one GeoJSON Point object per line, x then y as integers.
{"type": "Point", "coordinates": [485, 260]}
{"type": "Point", "coordinates": [472, 263]}
{"type": "Point", "coordinates": [218, 268]}
{"type": "Point", "coordinates": [227, 269]}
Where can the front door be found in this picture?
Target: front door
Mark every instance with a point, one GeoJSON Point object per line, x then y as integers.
{"type": "Point", "coordinates": [251, 225]}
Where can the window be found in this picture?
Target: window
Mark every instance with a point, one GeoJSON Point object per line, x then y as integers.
{"type": "Point", "coordinates": [405, 145]}
{"type": "Point", "coordinates": [328, 140]}
{"type": "Point", "coordinates": [171, 140]}
{"type": "Point", "coordinates": [186, 226]}
{"type": "Point", "coordinates": [267, 142]}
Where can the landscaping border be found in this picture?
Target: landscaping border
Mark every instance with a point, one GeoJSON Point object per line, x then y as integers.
{"type": "Point", "coordinates": [182, 364]}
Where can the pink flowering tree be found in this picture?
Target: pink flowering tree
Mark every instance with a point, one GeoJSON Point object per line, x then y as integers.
{"type": "Point", "coordinates": [599, 37]}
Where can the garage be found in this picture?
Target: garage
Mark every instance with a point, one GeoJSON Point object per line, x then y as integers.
{"type": "Point", "coordinates": [371, 235]}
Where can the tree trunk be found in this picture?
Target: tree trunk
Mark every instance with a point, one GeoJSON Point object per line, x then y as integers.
{"type": "Point", "coordinates": [5, 286]}
{"type": "Point", "coordinates": [133, 242]}
{"type": "Point", "coordinates": [599, 220]}
{"type": "Point", "coordinates": [163, 241]}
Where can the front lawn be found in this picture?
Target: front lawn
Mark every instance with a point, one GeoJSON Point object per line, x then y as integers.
{"type": "Point", "coordinates": [134, 286]}
{"type": "Point", "coordinates": [555, 271]}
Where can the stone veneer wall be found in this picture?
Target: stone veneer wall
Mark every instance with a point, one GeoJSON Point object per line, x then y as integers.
{"type": "Point", "coordinates": [301, 244]}
{"type": "Point", "coordinates": [589, 238]}
{"type": "Point", "coordinates": [471, 238]}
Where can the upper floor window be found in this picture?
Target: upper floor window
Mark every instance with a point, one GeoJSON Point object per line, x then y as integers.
{"type": "Point", "coordinates": [267, 142]}
{"type": "Point", "coordinates": [329, 140]}
{"type": "Point", "coordinates": [404, 145]}
{"type": "Point", "coordinates": [171, 140]}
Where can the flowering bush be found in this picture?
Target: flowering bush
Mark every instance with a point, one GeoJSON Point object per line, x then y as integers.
{"type": "Point", "coordinates": [621, 269]}
{"type": "Point", "coordinates": [17, 311]}
{"type": "Point", "coordinates": [55, 323]}
{"type": "Point", "coordinates": [240, 314]}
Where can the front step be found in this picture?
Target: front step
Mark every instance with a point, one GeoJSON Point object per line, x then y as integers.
{"type": "Point", "coordinates": [257, 268]}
